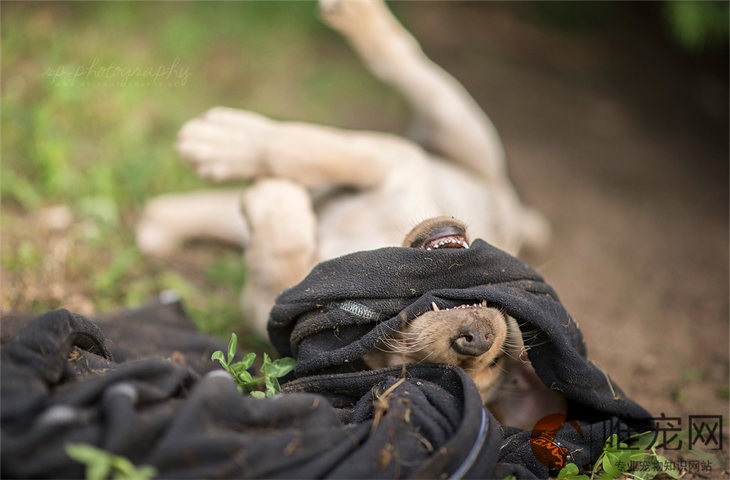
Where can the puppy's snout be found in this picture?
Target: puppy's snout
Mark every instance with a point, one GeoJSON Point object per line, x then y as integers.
{"type": "Point", "coordinates": [474, 339]}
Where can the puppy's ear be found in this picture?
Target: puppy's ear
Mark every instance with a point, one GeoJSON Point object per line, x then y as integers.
{"type": "Point", "coordinates": [433, 229]}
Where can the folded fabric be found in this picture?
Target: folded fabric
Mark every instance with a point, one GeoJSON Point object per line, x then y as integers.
{"type": "Point", "coordinates": [62, 385]}
{"type": "Point", "coordinates": [346, 305]}
{"type": "Point", "coordinates": [141, 384]}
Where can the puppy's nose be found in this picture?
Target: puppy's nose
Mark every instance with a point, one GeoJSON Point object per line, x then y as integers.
{"type": "Point", "coordinates": [473, 339]}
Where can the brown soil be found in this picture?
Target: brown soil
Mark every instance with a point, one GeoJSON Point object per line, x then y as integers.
{"type": "Point", "coordinates": [621, 140]}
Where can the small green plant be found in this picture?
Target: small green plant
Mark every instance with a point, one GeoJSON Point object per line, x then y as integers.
{"type": "Point", "coordinates": [271, 371]}
{"type": "Point", "coordinates": [618, 459]}
{"type": "Point", "coordinates": [101, 464]}
{"type": "Point", "coordinates": [571, 472]}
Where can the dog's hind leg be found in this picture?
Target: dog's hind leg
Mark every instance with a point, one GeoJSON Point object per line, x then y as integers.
{"type": "Point", "coordinates": [229, 144]}
{"type": "Point", "coordinates": [449, 120]}
{"type": "Point", "coordinates": [169, 220]}
{"type": "Point", "coordinates": [282, 249]}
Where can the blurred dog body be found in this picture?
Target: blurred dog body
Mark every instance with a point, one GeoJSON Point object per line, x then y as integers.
{"type": "Point", "coordinates": [319, 192]}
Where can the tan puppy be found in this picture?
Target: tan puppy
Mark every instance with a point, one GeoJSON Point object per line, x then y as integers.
{"type": "Point", "coordinates": [318, 192]}
{"type": "Point", "coordinates": [482, 340]}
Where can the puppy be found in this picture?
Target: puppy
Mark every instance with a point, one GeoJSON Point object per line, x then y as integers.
{"type": "Point", "coordinates": [482, 340]}
{"type": "Point", "coordinates": [319, 192]}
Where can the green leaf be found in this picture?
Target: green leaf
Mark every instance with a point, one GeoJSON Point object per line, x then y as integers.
{"type": "Point", "coordinates": [247, 361]}
{"type": "Point", "coordinates": [606, 476]}
{"type": "Point", "coordinates": [232, 347]}
{"type": "Point", "coordinates": [637, 457]}
{"type": "Point", "coordinates": [83, 453]}
{"type": "Point", "coordinates": [611, 443]}
{"type": "Point", "coordinates": [276, 388]}
{"type": "Point", "coordinates": [123, 466]}
{"type": "Point", "coordinates": [98, 470]}
{"type": "Point", "coordinates": [622, 459]}
{"type": "Point", "coordinates": [146, 472]}
{"type": "Point", "coordinates": [641, 441]}
{"type": "Point", "coordinates": [569, 470]}
{"type": "Point", "coordinates": [100, 464]}
{"type": "Point", "coordinates": [609, 464]}
{"type": "Point", "coordinates": [667, 467]}
{"type": "Point", "coordinates": [271, 389]}
{"type": "Point", "coordinates": [244, 377]}
{"type": "Point", "coordinates": [237, 368]}
{"type": "Point", "coordinates": [266, 365]}
{"type": "Point", "coordinates": [649, 467]}
{"type": "Point", "coordinates": [282, 366]}
{"type": "Point", "coordinates": [218, 355]}
{"type": "Point", "coordinates": [257, 394]}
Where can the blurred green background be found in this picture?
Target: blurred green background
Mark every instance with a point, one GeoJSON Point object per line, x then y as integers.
{"type": "Point", "coordinates": [93, 94]}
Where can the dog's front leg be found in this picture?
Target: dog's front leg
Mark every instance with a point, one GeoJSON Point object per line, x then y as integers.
{"type": "Point", "coordinates": [170, 220]}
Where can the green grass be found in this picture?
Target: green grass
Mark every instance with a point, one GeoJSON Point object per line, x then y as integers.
{"type": "Point", "coordinates": [93, 94]}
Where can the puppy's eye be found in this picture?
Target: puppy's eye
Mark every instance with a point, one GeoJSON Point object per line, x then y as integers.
{"type": "Point", "coordinates": [495, 362]}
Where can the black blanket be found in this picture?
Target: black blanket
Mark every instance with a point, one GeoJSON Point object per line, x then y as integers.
{"type": "Point", "coordinates": [345, 305]}
{"type": "Point", "coordinates": [166, 405]}
{"type": "Point", "coordinates": [141, 384]}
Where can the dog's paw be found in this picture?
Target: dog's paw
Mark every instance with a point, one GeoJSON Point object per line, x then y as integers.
{"type": "Point", "coordinates": [351, 15]}
{"type": "Point", "coordinates": [225, 144]}
{"type": "Point", "coordinates": [154, 240]}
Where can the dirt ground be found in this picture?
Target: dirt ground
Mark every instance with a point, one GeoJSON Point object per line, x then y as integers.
{"type": "Point", "coordinates": [622, 141]}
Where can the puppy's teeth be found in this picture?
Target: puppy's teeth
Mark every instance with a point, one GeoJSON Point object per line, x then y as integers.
{"type": "Point", "coordinates": [484, 303]}
{"type": "Point", "coordinates": [435, 307]}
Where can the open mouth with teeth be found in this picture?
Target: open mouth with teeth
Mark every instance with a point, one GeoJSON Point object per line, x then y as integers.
{"type": "Point", "coordinates": [451, 241]}
{"type": "Point", "coordinates": [483, 304]}
{"type": "Point", "coordinates": [438, 233]}
{"type": "Point", "coordinates": [474, 332]}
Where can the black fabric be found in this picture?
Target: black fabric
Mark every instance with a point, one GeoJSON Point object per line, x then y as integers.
{"type": "Point", "coordinates": [62, 382]}
{"type": "Point", "coordinates": [345, 305]}
{"type": "Point", "coordinates": [141, 384]}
